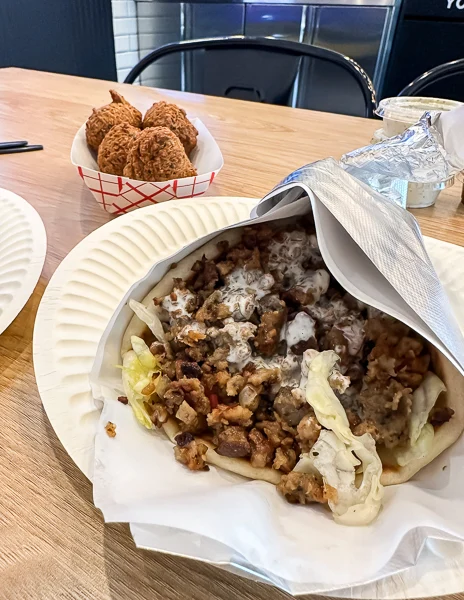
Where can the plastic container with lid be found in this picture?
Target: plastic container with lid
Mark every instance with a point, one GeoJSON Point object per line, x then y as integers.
{"type": "Point", "coordinates": [419, 195]}
{"type": "Point", "coordinates": [400, 113]}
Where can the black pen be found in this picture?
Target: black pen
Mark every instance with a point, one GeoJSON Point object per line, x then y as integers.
{"type": "Point", "coordinates": [20, 149]}
{"type": "Point", "coordinates": [7, 145]}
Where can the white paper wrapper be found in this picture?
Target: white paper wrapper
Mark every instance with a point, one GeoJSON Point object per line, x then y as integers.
{"type": "Point", "coordinates": [119, 195]}
{"type": "Point", "coordinates": [245, 525]}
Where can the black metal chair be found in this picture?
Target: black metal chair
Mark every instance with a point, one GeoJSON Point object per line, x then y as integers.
{"type": "Point", "coordinates": [271, 71]}
{"type": "Point", "coordinates": [427, 80]}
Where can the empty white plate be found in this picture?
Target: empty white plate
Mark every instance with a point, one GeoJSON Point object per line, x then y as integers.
{"type": "Point", "coordinates": [23, 246]}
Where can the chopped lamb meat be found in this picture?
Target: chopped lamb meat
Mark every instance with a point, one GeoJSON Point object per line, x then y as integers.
{"type": "Point", "coordinates": [110, 429]}
{"type": "Point", "coordinates": [290, 407]}
{"type": "Point", "coordinates": [262, 451]}
{"type": "Point", "coordinates": [285, 460]}
{"type": "Point", "coordinates": [235, 385]}
{"type": "Point", "coordinates": [301, 488]}
{"type": "Point", "coordinates": [440, 415]}
{"type": "Point", "coordinates": [225, 267]}
{"type": "Point", "coordinates": [192, 333]}
{"type": "Point", "coordinates": [396, 359]}
{"type": "Point", "coordinates": [271, 302]}
{"type": "Point", "coordinates": [192, 454]}
{"type": "Point", "coordinates": [254, 261]}
{"type": "Point", "coordinates": [162, 351]}
{"type": "Point", "coordinates": [205, 275]}
{"type": "Point", "coordinates": [361, 427]}
{"type": "Point", "coordinates": [239, 255]}
{"type": "Point", "coordinates": [218, 358]}
{"type": "Point", "coordinates": [159, 414]}
{"type": "Point", "coordinates": [268, 335]}
{"type": "Point", "coordinates": [387, 408]}
{"type": "Point", "coordinates": [265, 410]}
{"type": "Point", "coordinates": [264, 376]}
{"type": "Point", "coordinates": [213, 309]}
{"type": "Point", "coordinates": [168, 368]}
{"type": "Point", "coordinates": [192, 391]}
{"type": "Point", "coordinates": [173, 397]}
{"type": "Point", "coordinates": [243, 290]}
{"type": "Point", "coordinates": [199, 352]}
{"type": "Point", "coordinates": [339, 382]}
{"type": "Point", "coordinates": [308, 432]}
{"type": "Point", "coordinates": [183, 439]}
{"type": "Point", "coordinates": [230, 415]}
{"type": "Point", "coordinates": [254, 237]}
{"type": "Point", "coordinates": [352, 328]}
{"type": "Point", "coordinates": [189, 370]}
{"type": "Point", "coordinates": [353, 419]}
{"type": "Point", "coordinates": [233, 442]}
{"type": "Point", "coordinates": [237, 329]}
{"type": "Point", "coordinates": [157, 348]}
{"type": "Point", "coordinates": [275, 434]}
{"type": "Point", "coordinates": [216, 381]}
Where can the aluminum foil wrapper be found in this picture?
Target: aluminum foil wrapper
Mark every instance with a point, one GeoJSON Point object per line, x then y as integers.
{"type": "Point", "coordinates": [389, 236]}
{"type": "Point", "coordinates": [424, 153]}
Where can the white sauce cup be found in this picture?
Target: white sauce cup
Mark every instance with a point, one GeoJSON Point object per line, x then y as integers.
{"type": "Point", "coordinates": [400, 113]}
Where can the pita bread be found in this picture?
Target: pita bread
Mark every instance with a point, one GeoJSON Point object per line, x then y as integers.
{"type": "Point", "coordinates": [444, 437]}
{"type": "Point", "coordinates": [446, 434]}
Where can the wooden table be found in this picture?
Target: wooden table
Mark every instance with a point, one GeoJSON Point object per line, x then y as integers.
{"type": "Point", "coordinates": [53, 543]}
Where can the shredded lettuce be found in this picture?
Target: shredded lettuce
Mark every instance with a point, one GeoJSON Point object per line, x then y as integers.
{"type": "Point", "coordinates": [419, 449]}
{"type": "Point", "coordinates": [423, 400]}
{"type": "Point", "coordinates": [146, 358]}
{"type": "Point", "coordinates": [338, 452]}
{"type": "Point", "coordinates": [150, 317]}
{"type": "Point", "coordinates": [139, 366]}
{"type": "Point", "coordinates": [421, 433]}
{"type": "Point", "coordinates": [305, 464]}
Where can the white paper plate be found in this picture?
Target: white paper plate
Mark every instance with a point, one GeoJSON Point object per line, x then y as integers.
{"type": "Point", "coordinates": [23, 245]}
{"type": "Point", "coordinates": [89, 284]}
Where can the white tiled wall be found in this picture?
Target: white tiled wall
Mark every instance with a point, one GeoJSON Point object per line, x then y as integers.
{"type": "Point", "coordinates": [159, 24]}
{"type": "Point", "coordinates": [140, 27]}
{"type": "Point", "coordinates": [125, 36]}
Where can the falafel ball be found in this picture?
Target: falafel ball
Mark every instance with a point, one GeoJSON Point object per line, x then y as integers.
{"type": "Point", "coordinates": [104, 118]}
{"type": "Point", "coordinates": [163, 114]}
{"type": "Point", "coordinates": [112, 152]}
{"type": "Point", "coordinates": [156, 154]}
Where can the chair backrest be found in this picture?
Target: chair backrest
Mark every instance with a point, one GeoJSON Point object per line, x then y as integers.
{"type": "Point", "coordinates": [271, 71]}
{"type": "Point", "coordinates": [424, 84]}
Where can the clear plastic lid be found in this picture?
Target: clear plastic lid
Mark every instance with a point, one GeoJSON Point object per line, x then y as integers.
{"type": "Point", "coordinates": [410, 110]}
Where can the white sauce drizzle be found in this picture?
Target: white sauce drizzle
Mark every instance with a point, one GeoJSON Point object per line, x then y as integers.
{"type": "Point", "coordinates": [236, 336]}
{"type": "Point", "coordinates": [243, 289]}
{"type": "Point", "coordinates": [353, 332]}
{"type": "Point", "coordinates": [301, 329]}
{"type": "Point", "coordinates": [288, 256]}
{"type": "Point", "coordinates": [177, 308]}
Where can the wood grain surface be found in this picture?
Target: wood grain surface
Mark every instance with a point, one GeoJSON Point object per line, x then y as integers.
{"type": "Point", "coordinates": [53, 543]}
